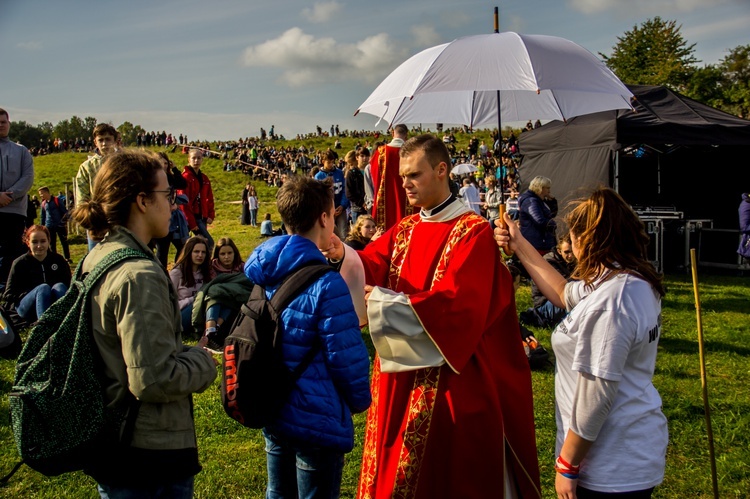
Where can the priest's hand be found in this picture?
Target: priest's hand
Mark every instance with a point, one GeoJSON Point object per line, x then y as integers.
{"type": "Point", "coordinates": [335, 250]}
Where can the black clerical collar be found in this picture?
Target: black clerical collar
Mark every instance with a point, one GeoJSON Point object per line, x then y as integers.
{"type": "Point", "coordinates": [440, 207]}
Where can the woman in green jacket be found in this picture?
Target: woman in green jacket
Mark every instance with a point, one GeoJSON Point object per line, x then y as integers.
{"type": "Point", "coordinates": [136, 323]}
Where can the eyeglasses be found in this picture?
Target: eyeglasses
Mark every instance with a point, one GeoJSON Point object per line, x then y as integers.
{"type": "Point", "coordinates": [171, 194]}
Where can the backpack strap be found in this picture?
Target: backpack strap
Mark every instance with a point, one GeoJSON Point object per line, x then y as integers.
{"type": "Point", "coordinates": [292, 285]}
{"type": "Point", "coordinates": [295, 283]}
{"type": "Point", "coordinates": [100, 269]}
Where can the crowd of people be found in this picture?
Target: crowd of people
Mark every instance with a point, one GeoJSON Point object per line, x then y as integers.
{"type": "Point", "coordinates": [449, 399]}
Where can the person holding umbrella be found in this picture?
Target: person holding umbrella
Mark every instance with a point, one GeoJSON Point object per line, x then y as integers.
{"type": "Point", "coordinates": [611, 432]}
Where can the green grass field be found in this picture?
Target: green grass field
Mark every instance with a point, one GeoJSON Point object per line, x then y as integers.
{"type": "Point", "coordinates": [234, 460]}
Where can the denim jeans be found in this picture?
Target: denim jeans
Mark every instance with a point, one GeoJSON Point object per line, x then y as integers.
{"type": "Point", "coordinates": [181, 489]}
{"type": "Point", "coordinates": [203, 231]}
{"type": "Point", "coordinates": [549, 315]}
{"type": "Point", "coordinates": [39, 299]}
{"type": "Point", "coordinates": [299, 471]}
{"type": "Point", "coordinates": [215, 312]}
{"type": "Point", "coordinates": [254, 217]}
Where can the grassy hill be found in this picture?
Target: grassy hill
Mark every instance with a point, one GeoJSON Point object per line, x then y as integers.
{"type": "Point", "coordinates": [233, 457]}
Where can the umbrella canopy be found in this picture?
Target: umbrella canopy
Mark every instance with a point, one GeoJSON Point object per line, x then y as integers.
{"type": "Point", "coordinates": [532, 77]}
{"type": "Point", "coordinates": [463, 168]}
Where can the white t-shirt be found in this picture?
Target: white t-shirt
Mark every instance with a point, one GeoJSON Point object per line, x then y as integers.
{"type": "Point", "coordinates": [470, 195]}
{"type": "Point", "coordinates": [612, 332]}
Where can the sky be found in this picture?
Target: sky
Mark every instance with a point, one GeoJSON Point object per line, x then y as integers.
{"type": "Point", "coordinates": [222, 69]}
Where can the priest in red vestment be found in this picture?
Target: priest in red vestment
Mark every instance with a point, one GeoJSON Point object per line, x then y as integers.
{"type": "Point", "coordinates": [452, 412]}
{"type": "Point", "coordinates": [390, 204]}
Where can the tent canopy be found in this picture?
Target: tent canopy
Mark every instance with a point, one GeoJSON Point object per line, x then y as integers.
{"type": "Point", "coordinates": [664, 151]}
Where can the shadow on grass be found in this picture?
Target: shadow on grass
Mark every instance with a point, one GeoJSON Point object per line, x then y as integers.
{"type": "Point", "coordinates": [736, 303]}
{"type": "Point", "coordinates": [678, 345]}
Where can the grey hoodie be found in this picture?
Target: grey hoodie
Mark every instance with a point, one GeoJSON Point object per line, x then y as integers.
{"type": "Point", "coordinates": [16, 175]}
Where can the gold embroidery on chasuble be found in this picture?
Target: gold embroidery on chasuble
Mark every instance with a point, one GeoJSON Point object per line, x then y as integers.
{"type": "Point", "coordinates": [418, 419]}
{"type": "Point", "coordinates": [400, 247]}
{"type": "Point", "coordinates": [369, 452]}
{"type": "Point", "coordinates": [425, 389]}
{"type": "Point", "coordinates": [380, 195]}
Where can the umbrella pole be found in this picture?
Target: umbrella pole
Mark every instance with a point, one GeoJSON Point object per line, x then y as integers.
{"type": "Point", "coordinates": [501, 212]}
{"type": "Point", "coordinates": [704, 382]}
{"type": "Point", "coordinates": [501, 220]}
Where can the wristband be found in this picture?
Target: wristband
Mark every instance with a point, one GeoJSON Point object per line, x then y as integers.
{"type": "Point", "coordinates": [566, 469]}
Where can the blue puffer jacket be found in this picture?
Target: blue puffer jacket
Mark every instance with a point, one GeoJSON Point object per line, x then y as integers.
{"type": "Point", "coordinates": [336, 383]}
{"type": "Point", "coordinates": [537, 224]}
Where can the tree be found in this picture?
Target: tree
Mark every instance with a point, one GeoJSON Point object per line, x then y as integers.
{"type": "Point", "coordinates": [707, 85]}
{"type": "Point", "coordinates": [47, 128]}
{"type": "Point", "coordinates": [78, 129]}
{"type": "Point", "coordinates": [654, 54]}
{"type": "Point", "coordinates": [129, 133]}
{"type": "Point", "coordinates": [89, 123]}
{"type": "Point", "coordinates": [736, 70]}
{"type": "Point", "coordinates": [26, 134]}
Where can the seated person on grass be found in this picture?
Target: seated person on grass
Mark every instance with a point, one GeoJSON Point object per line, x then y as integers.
{"type": "Point", "coordinates": [544, 313]}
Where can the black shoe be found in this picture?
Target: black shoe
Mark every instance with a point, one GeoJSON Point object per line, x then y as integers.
{"type": "Point", "coordinates": [528, 318]}
{"type": "Point", "coordinates": [215, 341]}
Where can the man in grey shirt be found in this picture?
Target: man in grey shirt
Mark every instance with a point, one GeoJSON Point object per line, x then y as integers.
{"type": "Point", "coordinates": [16, 177]}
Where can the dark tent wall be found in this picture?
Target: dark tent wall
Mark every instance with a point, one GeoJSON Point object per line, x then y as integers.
{"type": "Point", "coordinates": [701, 182]}
{"type": "Point", "coordinates": [673, 152]}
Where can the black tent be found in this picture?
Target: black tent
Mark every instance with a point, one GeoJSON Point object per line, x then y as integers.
{"type": "Point", "coordinates": [671, 154]}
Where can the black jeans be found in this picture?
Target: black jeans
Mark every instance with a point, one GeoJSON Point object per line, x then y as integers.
{"type": "Point", "coordinates": [584, 493]}
{"type": "Point", "coordinates": [162, 248]}
{"type": "Point", "coordinates": [62, 233]}
{"type": "Point", "coordinates": [11, 242]}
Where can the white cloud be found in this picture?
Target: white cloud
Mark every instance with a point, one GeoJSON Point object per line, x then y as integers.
{"type": "Point", "coordinates": [33, 45]}
{"type": "Point", "coordinates": [306, 59]}
{"type": "Point", "coordinates": [425, 36]}
{"type": "Point", "coordinates": [642, 6]}
{"type": "Point", "coordinates": [321, 12]}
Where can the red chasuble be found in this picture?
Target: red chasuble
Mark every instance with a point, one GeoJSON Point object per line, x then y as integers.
{"type": "Point", "coordinates": [390, 204]}
{"type": "Point", "coordinates": [447, 431]}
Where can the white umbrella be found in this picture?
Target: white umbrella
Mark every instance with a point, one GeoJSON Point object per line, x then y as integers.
{"type": "Point", "coordinates": [468, 80]}
{"type": "Point", "coordinates": [463, 168]}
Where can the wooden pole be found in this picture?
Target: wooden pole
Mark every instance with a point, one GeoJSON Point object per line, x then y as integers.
{"type": "Point", "coordinates": [704, 382]}
{"type": "Point", "coordinates": [209, 152]}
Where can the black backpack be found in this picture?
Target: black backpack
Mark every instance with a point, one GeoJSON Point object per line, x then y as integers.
{"type": "Point", "coordinates": [256, 384]}
{"type": "Point", "coordinates": [10, 338]}
{"type": "Point", "coordinates": [57, 408]}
